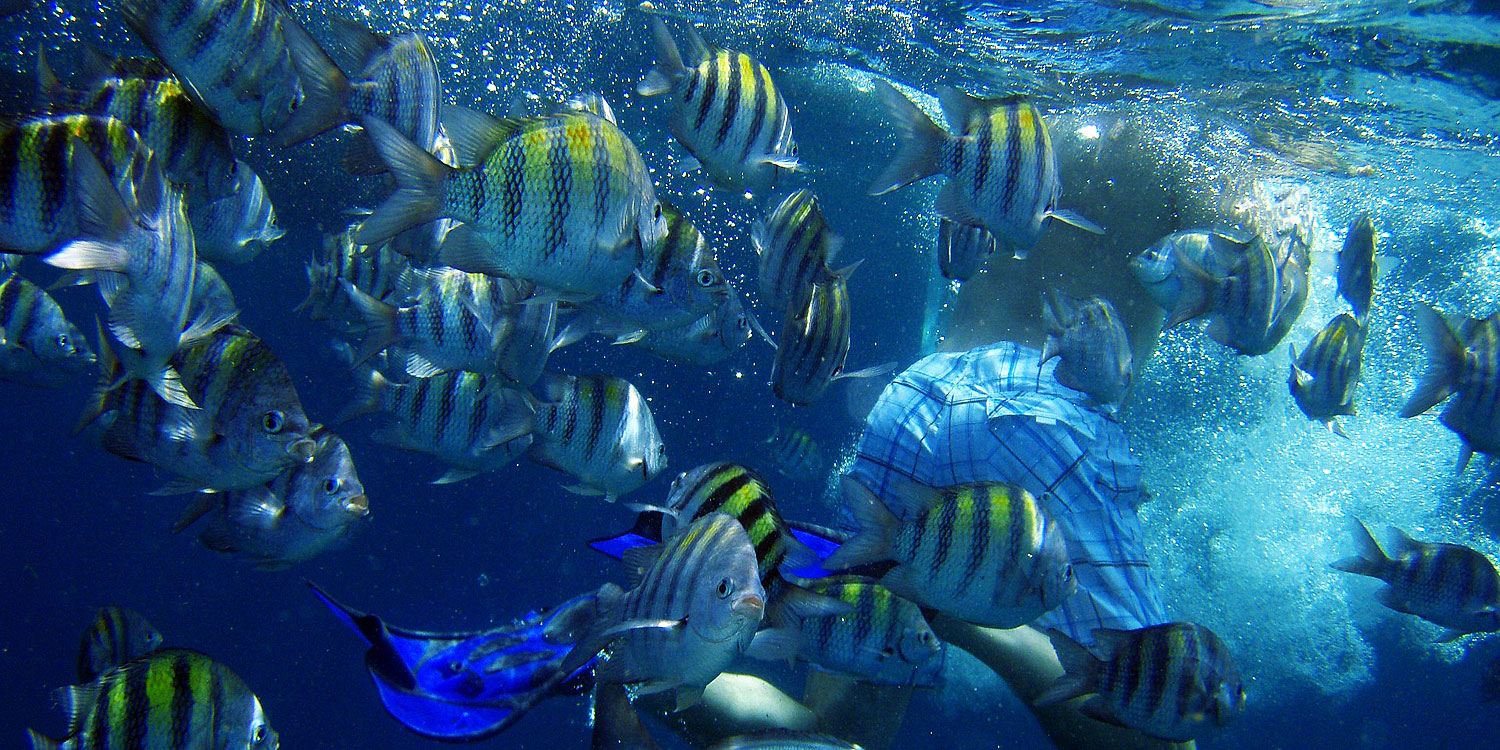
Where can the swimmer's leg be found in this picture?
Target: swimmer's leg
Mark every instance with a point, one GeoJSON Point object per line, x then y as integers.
{"type": "Point", "coordinates": [732, 704]}
{"type": "Point", "coordinates": [865, 714]}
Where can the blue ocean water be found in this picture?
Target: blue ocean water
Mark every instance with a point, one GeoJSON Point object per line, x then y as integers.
{"type": "Point", "coordinates": [1329, 108]}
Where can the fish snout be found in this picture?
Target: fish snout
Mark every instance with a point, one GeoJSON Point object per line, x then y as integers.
{"type": "Point", "coordinates": [359, 505]}
{"type": "Point", "coordinates": [750, 607]}
{"type": "Point", "coordinates": [303, 450]}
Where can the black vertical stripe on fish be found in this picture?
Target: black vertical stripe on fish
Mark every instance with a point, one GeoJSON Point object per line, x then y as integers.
{"type": "Point", "coordinates": [692, 86]}
{"type": "Point", "coordinates": [137, 707]}
{"type": "Point", "coordinates": [1041, 149]}
{"type": "Point", "coordinates": [570, 406]}
{"type": "Point", "coordinates": [445, 407]}
{"type": "Point", "coordinates": [10, 171]}
{"type": "Point", "coordinates": [863, 624]}
{"type": "Point", "coordinates": [596, 416]}
{"type": "Point", "coordinates": [99, 729]}
{"type": "Point", "coordinates": [1012, 158]}
{"type": "Point", "coordinates": [182, 694]}
{"type": "Point", "coordinates": [980, 522]}
{"type": "Point", "coordinates": [982, 154]}
{"type": "Point", "coordinates": [419, 399]}
{"type": "Point", "coordinates": [513, 193]}
{"type": "Point", "coordinates": [562, 189]}
{"type": "Point", "coordinates": [53, 152]}
{"type": "Point", "coordinates": [731, 101]}
{"type": "Point", "coordinates": [947, 516]}
{"type": "Point", "coordinates": [723, 492]}
{"type": "Point", "coordinates": [480, 412]}
{"type": "Point", "coordinates": [710, 86]}
{"type": "Point", "coordinates": [758, 113]}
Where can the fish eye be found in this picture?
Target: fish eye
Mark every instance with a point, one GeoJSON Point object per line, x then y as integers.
{"type": "Point", "coordinates": [656, 211]}
{"type": "Point", "coordinates": [1067, 573]}
{"type": "Point", "coordinates": [707, 278]}
{"type": "Point", "coordinates": [331, 485]}
{"type": "Point", "coordinates": [726, 587]}
{"type": "Point", "coordinates": [272, 422]}
{"type": "Point", "coordinates": [62, 340]}
{"type": "Point", "coordinates": [260, 733]}
{"type": "Point", "coordinates": [887, 652]}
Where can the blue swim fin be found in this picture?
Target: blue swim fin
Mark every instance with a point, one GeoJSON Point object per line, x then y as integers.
{"type": "Point", "coordinates": [470, 686]}
{"type": "Point", "coordinates": [645, 532]}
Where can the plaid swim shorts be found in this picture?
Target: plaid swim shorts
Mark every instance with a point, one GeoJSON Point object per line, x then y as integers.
{"type": "Point", "coordinates": [996, 414]}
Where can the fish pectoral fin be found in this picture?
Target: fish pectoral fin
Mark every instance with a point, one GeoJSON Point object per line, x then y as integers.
{"type": "Point", "coordinates": [181, 486]}
{"type": "Point", "coordinates": [1095, 709]}
{"type": "Point", "coordinates": [1071, 217]}
{"type": "Point", "coordinates": [953, 206]}
{"type": "Point", "coordinates": [197, 508]}
{"type": "Point", "coordinates": [868, 372]}
{"type": "Point", "coordinates": [455, 474]}
{"type": "Point", "coordinates": [638, 560]}
{"type": "Point", "coordinates": [775, 644]}
{"type": "Point", "coordinates": [258, 508]}
{"type": "Point", "coordinates": [582, 489]}
{"type": "Point", "coordinates": [629, 337]}
{"type": "Point", "coordinates": [645, 283]}
{"type": "Point", "coordinates": [784, 161]}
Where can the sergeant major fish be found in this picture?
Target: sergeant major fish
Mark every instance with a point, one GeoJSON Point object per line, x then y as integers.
{"type": "Point", "coordinates": [1469, 368]}
{"type": "Point", "coordinates": [599, 429]}
{"type": "Point", "coordinates": [795, 245]}
{"type": "Point", "coordinates": [290, 519]}
{"type": "Point", "coordinates": [813, 344]}
{"type": "Point", "coordinates": [984, 553]}
{"type": "Point", "coordinates": [1002, 172]}
{"type": "Point", "coordinates": [706, 341]}
{"type": "Point", "coordinates": [796, 455]}
{"type": "Point", "coordinates": [236, 228]}
{"type": "Point", "coordinates": [1356, 273]}
{"type": "Point", "coordinates": [192, 702]}
{"type": "Point", "coordinates": [117, 635]}
{"type": "Point", "coordinates": [727, 111]}
{"type": "Point", "coordinates": [736, 490]}
{"type": "Point", "coordinates": [454, 324]}
{"type": "Point", "coordinates": [1091, 341]}
{"type": "Point", "coordinates": [1324, 377]}
{"type": "Point", "coordinates": [1446, 584]}
{"type": "Point", "coordinates": [470, 421]}
{"type": "Point", "coordinates": [526, 212]}
{"type": "Point", "coordinates": [38, 346]}
{"type": "Point", "coordinates": [1175, 682]}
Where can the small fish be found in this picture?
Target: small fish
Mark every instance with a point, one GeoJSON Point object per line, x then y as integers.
{"type": "Point", "coordinates": [737, 491]}
{"type": "Point", "coordinates": [1175, 682]}
{"type": "Point", "coordinates": [679, 281]}
{"type": "Point", "coordinates": [1002, 172]}
{"type": "Point", "coordinates": [472, 422]}
{"type": "Point", "coordinates": [1244, 302]}
{"type": "Point", "coordinates": [1324, 377]}
{"type": "Point", "coordinates": [38, 346]}
{"type": "Point", "coordinates": [726, 112]}
{"type": "Point", "coordinates": [599, 429]}
{"type": "Point", "coordinates": [248, 429]}
{"type": "Point", "coordinates": [116, 636]}
{"type": "Point", "coordinates": [795, 245]}
{"type": "Point", "coordinates": [394, 79]}
{"type": "Point", "coordinates": [883, 639]}
{"type": "Point", "coordinates": [145, 262]}
{"type": "Point", "coordinates": [290, 519]}
{"type": "Point", "coordinates": [525, 215]}
{"type": "Point", "coordinates": [1091, 341]}
{"type": "Point", "coordinates": [170, 699]}
{"type": "Point", "coordinates": [706, 341]}
{"type": "Point", "coordinates": [783, 739]}
{"type": "Point", "coordinates": [1356, 272]}
{"type": "Point", "coordinates": [248, 61]}
{"type": "Point", "coordinates": [236, 228]}
{"type": "Point", "coordinates": [1469, 368]}
{"type": "Point", "coordinates": [1446, 584]}
{"type": "Point", "coordinates": [813, 344]}
{"type": "Point", "coordinates": [1156, 267]}
{"type": "Point", "coordinates": [796, 455]}
{"type": "Point", "coordinates": [378, 271]}
{"type": "Point", "coordinates": [963, 249]}
{"type": "Point", "coordinates": [190, 147]}
{"type": "Point", "coordinates": [44, 183]}
{"type": "Point", "coordinates": [454, 324]}
{"type": "Point", "coordinates": [695, 605]}
{"type": "Point", "coordinates": [985, 553]}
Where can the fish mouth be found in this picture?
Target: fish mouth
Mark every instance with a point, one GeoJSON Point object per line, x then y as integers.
{"type": "Point", "coordinates": [303, 450]}
{"type": "Point", "coordinates": [359, 505]}
{"type": "Point", "coordinates": [750, 607]}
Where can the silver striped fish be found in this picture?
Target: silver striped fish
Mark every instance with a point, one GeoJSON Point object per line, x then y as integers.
{"type": "Point", "coordinates": [679, 281]}
{"type": "Point", "coordinates": [726, 110]}
{"type": "Point", "coordinates": [1243, 303]}
{"type": "Point", "coordinates": [795, 245]}
{"type": "Point", "coordinates": [1447, 584]}
{"type": "Point", "coordinates": [1092, 343]}
{"type": "Point", "coordinates": [1356, 270]}
{"type": "Point", "coordinates": [236, 228]}
{"type": "Point", "coordinates": [1465, 363]}
{"type": "Point", "coordinates": [1001, 169]}
{"type": "Point", "coordinates": [39, 347]}
{"type": "Point", "coordinates": [472, 422]}
{"type": "Point", "coordinates": [249, 61]}
{"type": "Point", "coordinates": [117, 635]}
{"type": "Point", "coordinates": [702, 585]}
{"type": "Point", "coordinates": [706, 341]}
{"type": "Point", "coordinates": [455, 324]}
{"type": "Point", "coordinates": [986, 553]}
{"type": "Point", "coordinates": [1176, 682]}
{"type": "Point", "coordinates": [600, 430]}
{"type": "Point", "coordinates": [377, 271]}
{"type": "Point", "coordinates": [564, 200]}
{"type": "Point", "coordinates": [813, 344]}
{"type": "Point", "coordinates": [1324, 377]}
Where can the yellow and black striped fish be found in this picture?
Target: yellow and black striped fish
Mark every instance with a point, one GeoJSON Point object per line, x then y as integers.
{"type": "Point", "coordinates": [172, 699]}
{"type": "Point", "coordinates": [1324, 377]}
{"type": "Point", "coordinates": [1001, 169]}
{"type": "Point", "coordinates": [726, 110]}
{"type": "Point", "coordinates": [1356, 269]}
{"type": "Point", "coordinates": [1175, 682]}
{"type": "Point", "coordinates": [795, 245]}
{"type": "Point", "coordinates": [985, 553]}
{"type": "Point", "coordinates": [813, 344]}
{"type": "Point", "coordinates": [1466, 365]}
{"type": "Point", "coordinates": [117, 635]}
{"type": "Point", "coordinates": [39, 347]}
{"type": "Point", "coordinates": [599, 429]}
{"type": "Point", "coordinates": [881, 639]}
{"type": "Point", "coordinates": [736, 490]}
{"type": "Point", "coordinates": [40, 190]}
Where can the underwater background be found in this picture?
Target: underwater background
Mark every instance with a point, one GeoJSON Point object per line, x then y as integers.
{"type": "Point", "coordinates": [1159, 110]}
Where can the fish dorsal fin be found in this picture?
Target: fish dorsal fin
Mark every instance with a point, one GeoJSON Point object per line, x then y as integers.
{"type": "Point", "coordinates": [1108, 641]}
{"type": "Point", "coordinates": [474, 134]}
{"type": "Point", "coordinates": [638, 561]}
{"type": "Point", "coordinates": [914, 496]}
{"type": "Point", "coordinates": [960, 107]}
{"type": "Point", "coordinates": [354, 44]}
{"type": "Point", "coordinates": [1403, 542]}
{"type": "Point", "coordinates": [76, 700]}
{"type": "Point", "coordinates": [698, 50]}
{"type": "Point", "coordinates": [592, 103]}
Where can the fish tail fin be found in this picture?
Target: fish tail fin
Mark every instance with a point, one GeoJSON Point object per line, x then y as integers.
{"type": "Point", "coordinates": [325, 101]}
{"type": "Point", "coordinates": [921, 142]}
{"type": "Point", "coordinates": [668, 66]}
{"type": "Point", "coordinates": [380, 322]}
{"type": "Point", "coordinates": [1080, 669]}
{"type": "Point", "coordinates": [877, 529]}
{"type": "Point", "coordinates": [419, 185]}
{"type": "Point", "coordinates": [1445, 360]}
{"type": "Point", "coordinates": [47, 83]}
{"type": "Point", "coordinates": [1371, 560]}
{"type": "Point", "coordinates": [368, 399]}
{"type": "Point", "coordinates": [42, 742]}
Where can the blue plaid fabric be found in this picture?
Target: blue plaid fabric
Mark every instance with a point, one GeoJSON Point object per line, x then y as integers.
{"type": "Point", "coordinates": [996, 413]}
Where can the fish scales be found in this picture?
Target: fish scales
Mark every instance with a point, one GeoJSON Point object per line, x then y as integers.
{"type": "Point", "coordinates": [813, 345]}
